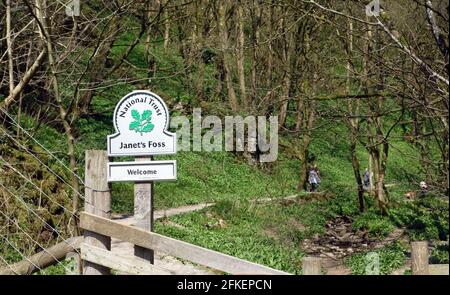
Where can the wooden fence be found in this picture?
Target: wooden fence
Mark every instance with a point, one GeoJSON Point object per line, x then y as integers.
{"type": "Point", "coordinates": [99, 229]}
{"type": "Point", "coordinates": [419, 262]}
{"type": "Point", "coordinates": [157, 242]}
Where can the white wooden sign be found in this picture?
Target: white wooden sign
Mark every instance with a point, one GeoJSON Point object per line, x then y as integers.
{"type": "Point", "coordinates": [141, 121]}
{"type": "Point", "coordinates": [142, 171]}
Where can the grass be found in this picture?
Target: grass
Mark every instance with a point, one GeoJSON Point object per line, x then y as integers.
{"type": "Point", "coordinates": [245, 231]}
{"type": "Point", "coordinates": [377, 226]}
{"type": "Point", "coordinates": [425, 219]}
{"type": "Point", "coordinates": [382, 261]}
{"type": "Point", "coordinates": [439, 255]}
{"type": "Point", "coordinates": [213, 177]}
{"type": "Point", "coordinates": [65, 267]}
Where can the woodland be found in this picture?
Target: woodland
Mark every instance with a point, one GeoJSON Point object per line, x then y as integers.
{"type": "Point", "coordinates": [352, 91]}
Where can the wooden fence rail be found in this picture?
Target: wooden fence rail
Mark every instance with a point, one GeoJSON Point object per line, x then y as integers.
{"type": "Point", "coordinates": [119, 262]}
{"type": "Point", "coordinates": [44, 259]}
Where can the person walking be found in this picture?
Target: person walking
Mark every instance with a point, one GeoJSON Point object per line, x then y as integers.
{"type": "Point", "coordinates": [314, 178]}
{"type": "Point", "coordinates": [366, 180]}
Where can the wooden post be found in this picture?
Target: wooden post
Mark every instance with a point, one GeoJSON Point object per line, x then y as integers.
{"type": "Point", "coordinates": [311, 266]}
{"type": "Point", "coordinates": [98, 202]}
{"type": "Point", "coordinates": [419, 258]}
{"type": "Point", "coordinates": [143, 212]}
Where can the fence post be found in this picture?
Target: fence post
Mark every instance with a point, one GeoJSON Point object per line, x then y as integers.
{"type": "Point", "coordinates": [143, 212]}
{"type": "Point", "coordinates": [311, 266]}
{"type": "Point", "coordinates": [98, 202]}
{"type": "Point", "coordinates": [419, 258]}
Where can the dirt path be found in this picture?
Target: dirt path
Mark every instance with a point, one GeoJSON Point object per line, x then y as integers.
{"type": "Point", "coordinates": [159, 214]}
{"type": "Point", "coordinates": [340, 241]}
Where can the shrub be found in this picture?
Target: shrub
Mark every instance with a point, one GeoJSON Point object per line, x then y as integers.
{"type": "Point", "coordinates": [377, 225]}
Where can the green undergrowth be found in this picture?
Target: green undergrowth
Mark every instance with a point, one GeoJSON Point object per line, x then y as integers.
{"type": "Point", "coordinates": [381, 261]}
{"type": "Point", "coordinates": [68, 266]}
{"type": "Point", "coordinates": [212, 177]}
{"type": "Point", "coordinates": [265, 234]}
{"type": "Point", "coordinates": [425, 219]}
{"type": "Point", "coordinates": [268, 233]}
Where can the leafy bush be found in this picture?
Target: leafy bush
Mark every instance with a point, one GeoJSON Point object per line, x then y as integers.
{"type": "Point", "coordinates": [439, 255]}
{"type": "Point", "coordinates": [66, 267]}
{"type": "Point", "coordinates": [377, 225]}
{"type": "Point", "coordinates": [425, 219]}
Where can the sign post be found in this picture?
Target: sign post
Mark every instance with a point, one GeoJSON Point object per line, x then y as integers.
{"type": "Point", "coordinates": [143, 212]}
{"type": "Point", "coordinates": [141, 122]}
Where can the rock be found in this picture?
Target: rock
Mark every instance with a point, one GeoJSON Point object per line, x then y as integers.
{"type": "Point", "coordinates": [347, 236]}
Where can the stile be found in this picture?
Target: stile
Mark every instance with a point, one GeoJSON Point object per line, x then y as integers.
{"type": "Point", "coordinates": [97, 202]}
{"type": "Point", "coordinates": [170, 246]}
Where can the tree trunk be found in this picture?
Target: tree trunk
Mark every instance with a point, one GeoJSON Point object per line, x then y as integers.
{"type": "Point", "coordinates": [223, 34]}
{"type": "Point", "coordinates": [357, 173]}
{"type": "Point", "coordinates": [285, 91]}
{"type": "Point", "coordinates": [303, 183]}
{"type": "Point", "coordinates": [62, 111]}
{"type": "Point", "coordinates": [240, 54]}
{"type": "Point", "coordinates": [309, 116]}
{"type": "Point", "coordinates": [256, 20]}
{"type": "Point", "coordinates": [9, 47]}
{"type": "Point", "coordinates": [200, 75]}
{"type": "Point", "coordinates": [97, 69]}
{"type": "Point", "coordinates": [299, 117]}
{"type": "Point", "coordinates": [354, 123]}
{"type": "Point", "coordinates": [149, 58]}
{"type": "Point", "coordinates": [166, 29]}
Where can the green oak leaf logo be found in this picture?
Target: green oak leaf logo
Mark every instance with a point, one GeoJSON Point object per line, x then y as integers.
{"type": "Point", "coordinates": [142, 123]}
